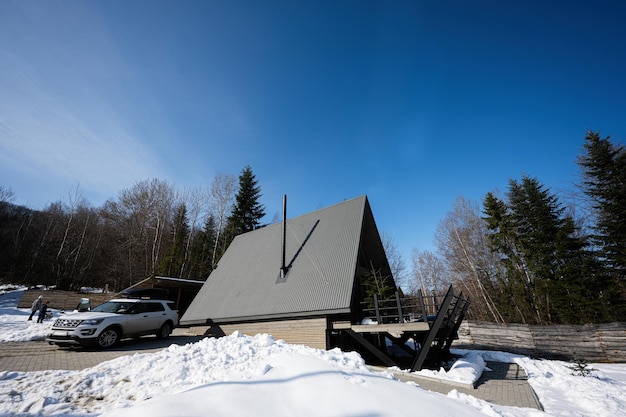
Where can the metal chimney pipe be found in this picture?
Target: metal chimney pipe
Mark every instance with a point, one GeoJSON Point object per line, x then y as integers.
{"type": "Point", "coordinates": [283, 267]}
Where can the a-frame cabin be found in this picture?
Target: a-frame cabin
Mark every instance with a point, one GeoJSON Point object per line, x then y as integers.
{"type": "Point", "coordinates": [300, 281]}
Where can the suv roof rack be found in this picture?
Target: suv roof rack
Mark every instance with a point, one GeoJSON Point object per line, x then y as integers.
{"type": "Point", "coordinates": [146, 293]}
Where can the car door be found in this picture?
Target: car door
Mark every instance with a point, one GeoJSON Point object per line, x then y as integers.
{"type": "Point", "coordinates": [136, 319]}
{"type": "Point", "coordinates": [155, 315]}
{"type": "Point", "coordinates": [145, 317]}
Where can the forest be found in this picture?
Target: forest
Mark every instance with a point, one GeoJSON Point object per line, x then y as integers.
{"type": "Point", "coordinates": [526, 256]}
{"type": "Point", "coordinates": [151, 229]}
{"type": "Point", "coordinates": [531, 256]}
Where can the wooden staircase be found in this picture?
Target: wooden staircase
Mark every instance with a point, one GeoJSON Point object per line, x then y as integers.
{"type": "Point", "coordinates": [421, 332]}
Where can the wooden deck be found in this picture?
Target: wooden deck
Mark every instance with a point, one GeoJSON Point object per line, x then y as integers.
{"type": "Point", "coordinates": [395, 341]}
{"type": "Point", "coordinates": [393, 328]}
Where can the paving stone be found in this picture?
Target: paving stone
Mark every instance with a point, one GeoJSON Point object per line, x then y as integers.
{"type": "Point", "coordinates": [505, 384]}
{"type": "Point", "coordinates": [40, 356]}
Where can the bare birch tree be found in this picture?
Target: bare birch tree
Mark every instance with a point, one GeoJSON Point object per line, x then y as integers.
{"type": "Point", "coordinates": [394, 257]}
{"type": "Point", "coordinates": [143, 212]}
{"type": "Point", "coordinates": [428, 272]}
{"type": "Point", "coordinates": [222, 194]}
{"type": "Point", "coordinates": [75, 201]}
{"type": "Point", "coordinates": [462, 243]}
{"type": "Point", "coordinates": [6, 194]}
{"type": "Point", "coordinates": [77, 239]}
{"type": "Point", "coordinates": [197, 203]}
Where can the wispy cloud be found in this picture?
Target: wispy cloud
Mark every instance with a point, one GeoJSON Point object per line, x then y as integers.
{"type": "Point", "coordinates": [56, 126]}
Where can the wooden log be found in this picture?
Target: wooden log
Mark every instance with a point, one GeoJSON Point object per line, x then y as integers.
{"type": "Point", "coordinates": [597, 343]}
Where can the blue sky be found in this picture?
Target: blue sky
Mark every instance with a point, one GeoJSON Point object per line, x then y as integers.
{"type": "Point", "coordinates": [410, 102]}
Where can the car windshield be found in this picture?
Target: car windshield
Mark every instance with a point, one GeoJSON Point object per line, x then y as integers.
{"type": "Point", "coordinates": [118, 307]}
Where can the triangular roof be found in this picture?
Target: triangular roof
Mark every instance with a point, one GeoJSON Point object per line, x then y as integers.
{"type": "Point", "coordinates": [325, 251]}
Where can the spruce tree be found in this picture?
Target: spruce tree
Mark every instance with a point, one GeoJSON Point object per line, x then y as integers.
{"type": "Point", "coordinates": [554, 253]}
{"type": "Point", "coordinates": [603, 168]}
{"type": "Point", "coordinates": [202, 251]}
{"type": "Point", "coordinates": [545, 259]}
{"type": "Point", "coordinates": [247, 211]}
{"type": "Point", "coordinates": [511, 291]}
{"type": "Point", "coordinates": [604, 181]}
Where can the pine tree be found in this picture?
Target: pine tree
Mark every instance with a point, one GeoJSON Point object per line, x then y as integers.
{"type": "Point", "coordinates": [247, 212]}
{"type": "Point", "coordinates": [604, 181]}
{"type": "Point", "coordinates": [603, 169]}
{"type": "Point", "coordinates": [554, 251]}
{"type": "Point", "coordinates": [202, 251]}
{"type": "Point", "coordinates": [510, 295]}
{"type": "Point", "coordinates": [374, 283]}
{"type": "Point", "coordinates": [543, 255]}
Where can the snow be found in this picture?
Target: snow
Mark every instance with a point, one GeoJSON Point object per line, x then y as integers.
{"type": "Point", "coordinates": [247, 376]}
{"type": "Point", "coordinates": [466, 370]}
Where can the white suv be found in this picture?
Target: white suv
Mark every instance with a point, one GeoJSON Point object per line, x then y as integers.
{"type": "Point", "coordinates": [106, 324]}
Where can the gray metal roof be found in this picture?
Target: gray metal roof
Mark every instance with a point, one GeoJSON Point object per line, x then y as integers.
{"type": "Point", "coordinates": [322, 250]}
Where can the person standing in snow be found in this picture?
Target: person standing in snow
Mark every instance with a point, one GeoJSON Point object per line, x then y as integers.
{"type": "Point", "coordinates": [42, 312]}
{"type": "Point", "coordinates": [35, 307]}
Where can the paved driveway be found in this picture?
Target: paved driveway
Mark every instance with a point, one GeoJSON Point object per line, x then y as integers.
{"type": "Point", "coordinates": [40, 356]}
{"type": "Point", "coordinates": [506, 384]}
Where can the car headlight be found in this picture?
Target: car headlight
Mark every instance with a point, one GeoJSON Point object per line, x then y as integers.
{"type": "Point", "coordinates": [92, 322]}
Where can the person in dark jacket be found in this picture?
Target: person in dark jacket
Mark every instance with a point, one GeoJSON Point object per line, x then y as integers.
{"type": "Point", "coordinates": [42, 312]}
{"type": "Point", "coordinates": [35, 307]}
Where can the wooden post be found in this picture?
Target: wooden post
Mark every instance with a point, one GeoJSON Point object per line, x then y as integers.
{"type": "Point", "coordinates": [378, 319]}
{"type": "Point", "coordinates": [420, 296]}
{"type": "Point", "coordinates": [435, 302]}
{"type": "Point", "coordinates": [399, 304]}
{"type": "Point", "coordinates": [180, 290]}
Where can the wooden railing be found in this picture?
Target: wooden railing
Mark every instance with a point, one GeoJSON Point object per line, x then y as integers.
{"type": "Point", "coordinates": [443, 314]}
{"type": "Point", "coordinates": [402, 309]}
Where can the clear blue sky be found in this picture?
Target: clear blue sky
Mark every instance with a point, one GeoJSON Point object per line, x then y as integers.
{"type": "Point", "coordinates": [410, 102]}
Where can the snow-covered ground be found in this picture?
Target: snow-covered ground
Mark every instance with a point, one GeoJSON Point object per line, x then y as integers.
{"type": "Point", "coordinates": [239, 376]}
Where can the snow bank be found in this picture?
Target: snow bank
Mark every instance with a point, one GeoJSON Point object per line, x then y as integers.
{"type": "Point", "coordinates": [258, 376]}
{"type": "Point", "coordinates": [14, 321]}
{"type": "Point", "coordinates": [231, 376]}
{"type": "Point", "coordinates": [465, 370]}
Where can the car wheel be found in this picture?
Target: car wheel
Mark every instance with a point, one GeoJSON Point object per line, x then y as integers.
{"type": "Point", "coordinates": [108, 338]}
{"type": "Point", "coordinates": [165, 331]}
